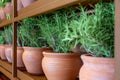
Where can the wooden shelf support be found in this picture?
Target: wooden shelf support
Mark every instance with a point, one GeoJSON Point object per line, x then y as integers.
{"type": "Point", "coordinates": [14, 44]}
{"type": "Point", "coordinates": [117, 40]}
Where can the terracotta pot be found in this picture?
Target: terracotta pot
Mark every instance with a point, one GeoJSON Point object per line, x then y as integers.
{"type": "Point", "coordinates": [97, 68]}
{"type": "Point", "coordinates": [20, 63]}
{"type": "Point", "coordinates": [1, 49]}
{"type": "Point", "coordinates": [27, 2]}
{"type": "Point", "coordinates": [8, 9]}
{"type": "Point", "coordinates": [2, 13]}
{"type": "Point", "coordinates": [8, 50]}
{"type": "Point", "coordinates": [61, 66]}
{"type": "Point", "coordinates": [2, 52]}
{"type": "Point", "coordinates": [32, 58]}
{"type": "Point", "coordinates": [19, 5]}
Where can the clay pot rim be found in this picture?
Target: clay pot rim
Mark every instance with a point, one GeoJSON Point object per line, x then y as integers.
{"type": "Point", "coordinates": [35, 48]}
{"type": "Point", "coordinates": [58, 53]}
{"type": "Point", "coordinates": [91, 58]}
{"type": "Point", "coordinates": [19, 47]}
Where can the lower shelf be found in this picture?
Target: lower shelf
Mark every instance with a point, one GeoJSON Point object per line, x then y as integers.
{"type": "Point", "coordinates": [6, 69]}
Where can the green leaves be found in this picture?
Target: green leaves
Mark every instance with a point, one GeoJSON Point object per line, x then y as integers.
{"type": "Point", "coordinates": [1, 38]}
{"type": "Point", "coordinates": [7, 34]}
{"type": "Point", "coordinates": [2, 2]}
{"type": "Point", "coordinates": [97, 30]}
{"type": "Point", "coordinates": [29, 33]}
{"type": "Point", "coordinates": [53, 29]}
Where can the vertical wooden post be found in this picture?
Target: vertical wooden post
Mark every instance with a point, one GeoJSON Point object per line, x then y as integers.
{"type": "Point", "coordinates": [14, 51]}
{"type": "Point", "coordinates": [117, 40]}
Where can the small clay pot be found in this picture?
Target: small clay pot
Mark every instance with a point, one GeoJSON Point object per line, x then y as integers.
{"type": "Point", "coordinates": [2, 13]}
{"type": "Point", "coordinates": [97, 68]}
{"type": "Point", "coordinates": [19, 5]}
{"type": "Point", "coordinates": [1, 49]}
{"type": "Point", "coordinates": [61, 66]}
{"type": "Point", "coordinates": [20, 63]}
{"type": "Point", "coordinates": [8, 50]}
{"type": "Point", "coordinates": [27, 2]}
{"type": "Point", "coordinates": [32, 58]}
{"type": "Point", "coordinates": [2, 52]}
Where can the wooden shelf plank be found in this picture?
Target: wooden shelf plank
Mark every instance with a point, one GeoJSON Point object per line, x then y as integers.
{"type": "Point", "coordinates": [5, 22]}
{"type": "Point", "coordinates": [5, 72]}
{"type": "Point", "coordinates": [39, 7]}
{"type": "Point", "coordinates": [42, 6]}
{"type": "Point", "coordinates": [23, 75]}
{"type": "Point", "coordinates": [6, 68]}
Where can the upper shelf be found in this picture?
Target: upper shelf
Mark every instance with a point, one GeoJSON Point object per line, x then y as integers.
{"type": "Point", "coordinates": [39, 7]}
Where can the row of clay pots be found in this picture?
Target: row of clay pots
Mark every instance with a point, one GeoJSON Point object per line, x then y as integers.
{"type": "Point", "coordinates": [5, 54]}
{"type": "Point", "coordinates": [28, 57]}
{"type": "Point", "coordinates": [4, 11]}
{"type": "Point", "coordinates": [63, 66]}
{"type": "Point", "coordinates": [56, 66]}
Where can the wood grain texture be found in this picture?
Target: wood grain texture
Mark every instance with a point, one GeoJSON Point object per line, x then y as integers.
{"type": "Point", "coordinates": [117, 39]}
{"type": "Point", "coordinates": [6, 68]}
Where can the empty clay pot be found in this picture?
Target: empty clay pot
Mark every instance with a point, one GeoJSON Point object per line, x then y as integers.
{"type": "Point", "coordinates": [32, 58]}
{"type": "Point", "coordinates": [61, 66]}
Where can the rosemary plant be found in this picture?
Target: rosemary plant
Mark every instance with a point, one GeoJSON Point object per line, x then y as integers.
{"type": "Point", "coordinates": [53, 29]}
{"type": "Point", "coordinates": [1, 37]}
{"type": "Point", "coordinates": [29, 33]}
{"type": "Point", "coordinates": [97, 30]}
{"type": "Point", "coordinates": [3, 2]}
{"type": "Point", "coordinates": [7, 34]}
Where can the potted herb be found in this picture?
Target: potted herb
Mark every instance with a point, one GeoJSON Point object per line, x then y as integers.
{"type": "Point", "coordinates": [97, 37]}
{"type": "Point", "coordinates": [61, 63]}
{"type": "Point", "coordinates": [33, 45]}
{"type": "Point", "coordinates": [1, 42]}
{"type": "Point", "coordinates": [7, 35]}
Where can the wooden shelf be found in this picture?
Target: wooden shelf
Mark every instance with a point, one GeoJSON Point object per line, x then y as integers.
{"type": "Point", "coordinates": [39, 7]}
{"type": "Point", "coordinates": [6, 68]}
